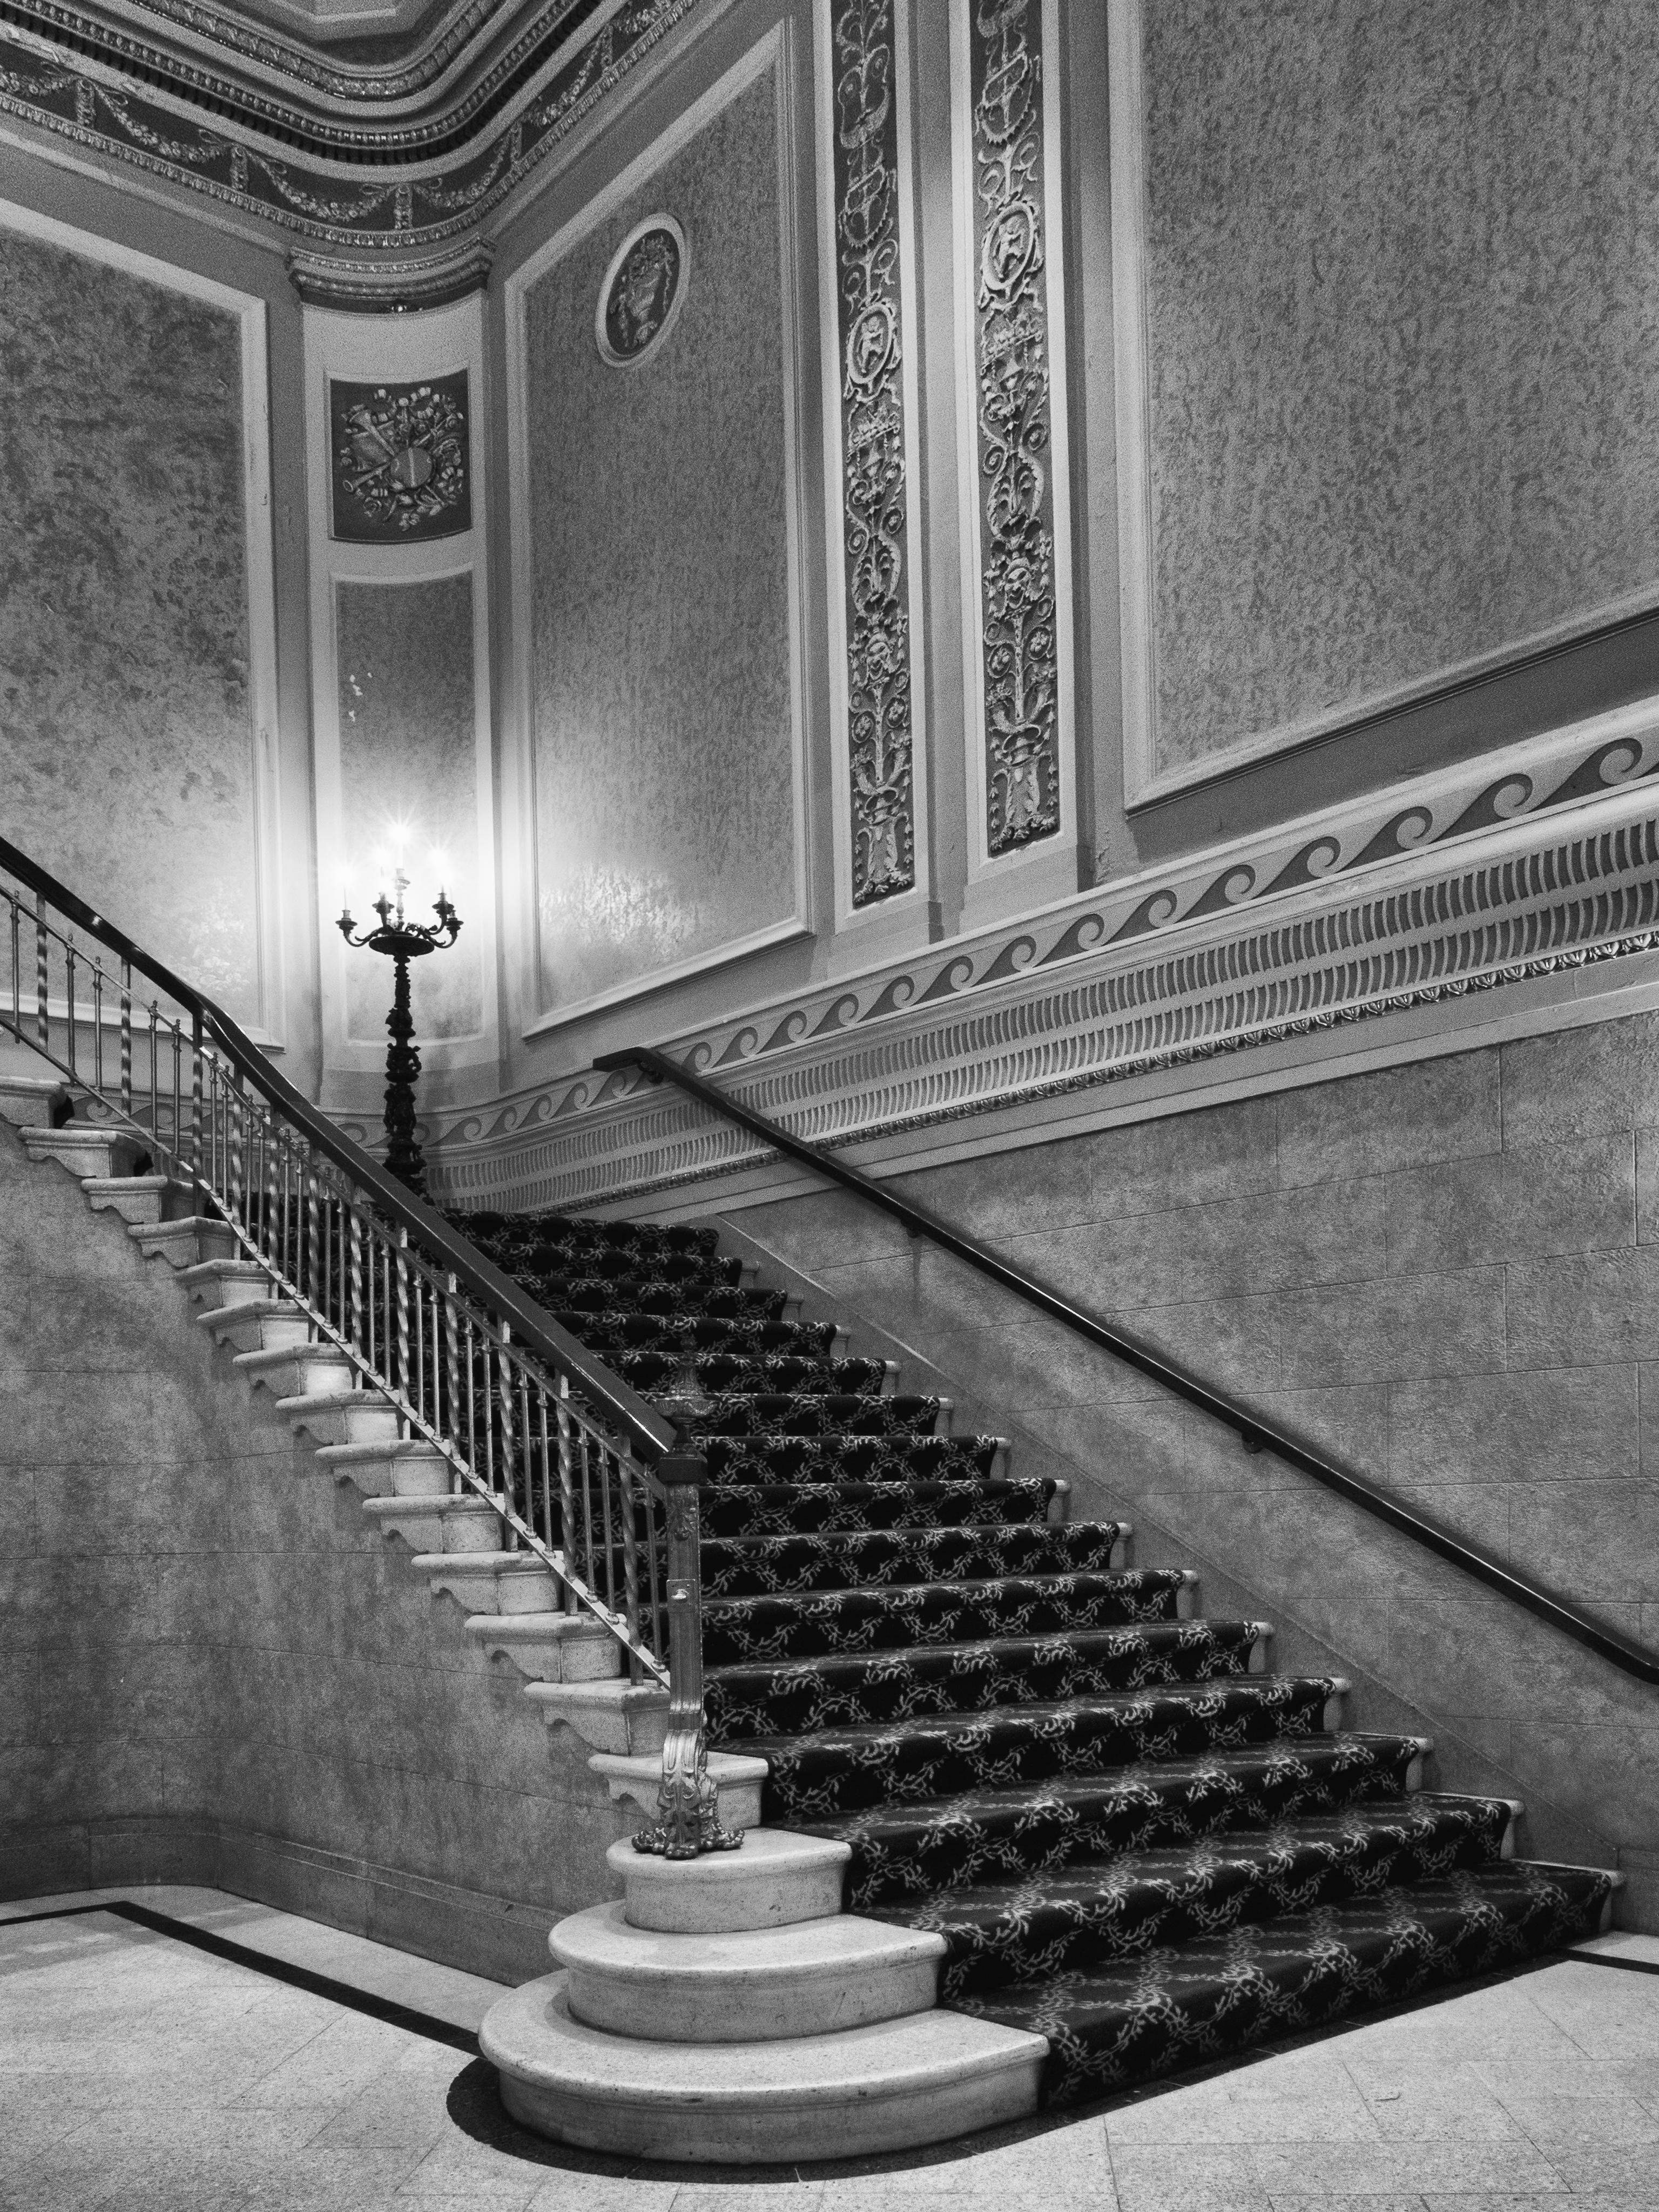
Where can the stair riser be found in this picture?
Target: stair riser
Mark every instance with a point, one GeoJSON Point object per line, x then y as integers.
{"type": "Point", "coordinates": [460, 1527]}
{"type": "Point", "coordinates": [260, 1333]}
{"type": "Point", "coordinates": [890, 1863]}
{"type": "Point", "coordinates": [85, 1152]}
{"type": "Point", "coordinates": [904, 1686]}
{"type": "Point", "coordinates": [667, 2008]}
{"type": "Point", "coordinates": [1066, 1935]}
{"type": "Point", "coordinates": [562, 1659]}
{"type": "Point", "coordinates": [374, 1422]}
{"type": "Point", "coordinates": [483, 1590]}
{"type": "Point", "coordinates": [819, 1782]}
{"type": "Point", "coordinates": [142, 1207]}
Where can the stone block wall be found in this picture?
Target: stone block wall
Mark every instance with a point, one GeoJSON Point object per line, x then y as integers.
{"type": "Point", "coordinates": [214, 1668]}
{"type": "Point", "coordinates": [1446, 1272]}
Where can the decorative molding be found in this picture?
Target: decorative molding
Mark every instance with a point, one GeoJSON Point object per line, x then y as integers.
{"type": "Point", "coordinates": [356, 185]}
{"type": "Point", "coordinates": [1476, 879]}
{"type": "Point", "coordinates": [399, 460]}
{"type": "Point", "coordinates": [643, 291]}
{"type": "Point", "coordinates": [872, 407]}
{"type": "Point", "coordinates": [1015, 446]}
{"type": "Point", "coordinates": [391, 284]}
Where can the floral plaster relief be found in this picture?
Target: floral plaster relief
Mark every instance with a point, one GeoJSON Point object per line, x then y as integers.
{"type": "Point", "coordinates": [124, 628]}
{"type": "Point", "coordinates": [660, 647]}
{"type": "Point", "coordinates": [409, 759]}
{"type": "Point", "coordinates": [1404, 386]}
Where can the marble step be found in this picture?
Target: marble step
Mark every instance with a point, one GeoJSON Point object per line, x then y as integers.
{"type": "Point", "coordinates": [798, 1695]}
{"type": "Point", "coordinates": [816, 1976]}
{"type": "Point", "coordinates": [402, 1467]}
{"type": "Point", "coordinates": [187, 1242]}
{"type": "Point", "coordinates": [31, 1102]}
{"type": "Point", "coordinates": [334, 1416]}
{"type": "Point", "coordinates": [628, 1718]}
{"type": "Point", "coordinates": [140, 1199]}
{"type": "Point", "coordinates": [892, 1617]}
{"type": "Point", "coordinates": [841, 1770]}
{"type": "Point", "coordinates": [1134, 2021]}
{"type": "Point", "coordinates": [737, 1780]}
{"type": "Point", "coordinates": [227, 1282]}
{"type": "Point", "coordinates": [85, 1150]}
{"type": "Point", "coordinates": [458, 1521]}
{"type": "Point", "coordinates": [551, 1646]}
{"type": "Point", "coordinates": [775, 1880]}
{"type": "Point", "coordinates": [771, 1565]}
{"type": "Point", "coordinates": [492, 1581]}
{"type": "Point", "coordinates": [889, 2086]}
{"type": "Point", "coordinates": [1090, 1912]}
{"type": "Point", "coordinates": [904, 1851]}
{"type": "Point", "coordinates": [258, 1324]}
{"type": "Point", "coordinates": [314, 1370]}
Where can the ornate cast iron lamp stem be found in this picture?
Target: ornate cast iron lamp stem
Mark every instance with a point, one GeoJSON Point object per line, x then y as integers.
{"type": "Point", "coordinates": [687, 1803]}
{"type": "Point", "coordinates": [403, 941]}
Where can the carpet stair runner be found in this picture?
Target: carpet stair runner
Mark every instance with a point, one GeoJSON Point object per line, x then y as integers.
{"type": "Point", "coordinates": [1132, 1838]}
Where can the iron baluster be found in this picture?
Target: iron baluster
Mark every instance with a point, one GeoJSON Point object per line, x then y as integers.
{"type": "Point", "coordinates": [626, 1504]}
{"type": "Point", "coordinates": [195, 1113]}
{"type": "Point", "coordinates": [98, 1025]}
{"type": "Point", "coordinates": [567, 1485]}
{"type": "Point", "coordinates": [126, 1038]}
{"type": "Point", "coordinates": [69, 998]}
{"type": "Point", "coordinates": [41, 975]}
{"type": "Point", "coordinates": [452, 1360]}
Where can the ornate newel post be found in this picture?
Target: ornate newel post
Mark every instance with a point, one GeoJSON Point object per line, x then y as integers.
{"type": "Point", "coordinates": [403, 941]}
{"type": "Point", "coordinates": [687, 1803]}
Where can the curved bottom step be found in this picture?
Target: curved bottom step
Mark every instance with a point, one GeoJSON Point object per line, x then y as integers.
{"type": "Point", "coordinates": [890, 2086]}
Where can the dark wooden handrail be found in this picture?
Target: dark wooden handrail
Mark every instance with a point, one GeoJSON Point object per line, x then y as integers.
{"type": "Point", "coordinates": [1258, 1432]}
{"type": "Point", "coordinates": [535, 1331]}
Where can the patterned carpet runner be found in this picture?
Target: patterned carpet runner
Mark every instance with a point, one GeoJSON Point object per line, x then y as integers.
{"type": "Point", "coordinates": [1134, 1839]}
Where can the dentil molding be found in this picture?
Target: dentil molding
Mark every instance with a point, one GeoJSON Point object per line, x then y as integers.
{"type": "Point", "coordinates": [1487, 873]}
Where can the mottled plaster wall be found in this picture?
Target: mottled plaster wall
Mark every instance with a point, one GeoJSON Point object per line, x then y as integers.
{"type": "Point", "coordinates": [212, 1668]}
{"type": "Point", "coordinates": [1449, 1273]}
{"type": "Point", "coordinates": [409, 753]}
{"type": "Point", "coordinates": [659, 547]}
{"type": "Point", "coordinates": [1404, 385]}
{"type": "Point", "coordinates": [123, 605]}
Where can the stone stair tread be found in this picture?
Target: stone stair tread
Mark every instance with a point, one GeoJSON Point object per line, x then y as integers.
{"type": "Point", "coordinates": [887, 2086]}
{"type": "Point", "coordinates": [1178, 2005]}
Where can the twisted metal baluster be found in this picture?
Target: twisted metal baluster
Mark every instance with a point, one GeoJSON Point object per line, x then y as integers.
{"type": "Point", "coordinates": [566, 1487]}
{"type": "Point", "coordinates": [195, 1114]}
{"type": "Point", "coordinates": [630, 1563]}
{"type": "Point", "coordinates": [127, 1034]}
{"type": "Point", "coordinates": [42, 1022]}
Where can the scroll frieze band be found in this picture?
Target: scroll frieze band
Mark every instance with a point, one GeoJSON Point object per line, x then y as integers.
{"type": "Point", "coordinates": [875, 496]}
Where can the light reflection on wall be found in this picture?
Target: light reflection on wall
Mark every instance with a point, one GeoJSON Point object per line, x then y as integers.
{"type": "Point", "coordinates": [408, 758]}
{"type": "Point", "coordinates": [660, 643]}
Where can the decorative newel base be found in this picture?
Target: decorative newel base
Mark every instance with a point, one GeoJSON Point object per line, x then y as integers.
{"type": "Point", "coordinates": [689, 1823]}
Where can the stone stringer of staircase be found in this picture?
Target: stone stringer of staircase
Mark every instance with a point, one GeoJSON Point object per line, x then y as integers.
{"type": "Point", "coordinates": [1034, 1828]}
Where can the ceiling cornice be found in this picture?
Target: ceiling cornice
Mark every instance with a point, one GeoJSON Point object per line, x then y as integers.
{"type": "Point", "coordinates": [347, 169]}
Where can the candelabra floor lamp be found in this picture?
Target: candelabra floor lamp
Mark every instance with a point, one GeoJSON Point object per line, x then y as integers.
{"type": "Point", "coordinates": [402, 941]}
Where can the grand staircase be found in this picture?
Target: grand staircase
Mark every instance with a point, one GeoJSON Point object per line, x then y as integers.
{"type": "Point", "coordinates": [1029, 1826]}
{"type": "Point", "coordinates": [1127, 1836]}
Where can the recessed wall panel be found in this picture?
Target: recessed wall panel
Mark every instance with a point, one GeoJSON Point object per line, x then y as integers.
{"type": "Point", "coordinates": [409, 781]}
{"type": "Point", "coordinates": [126, 708]}
{"type": "Point", "coordinates": [660, 661]}
{"type": "Point", "coordinates": [1402, 376]}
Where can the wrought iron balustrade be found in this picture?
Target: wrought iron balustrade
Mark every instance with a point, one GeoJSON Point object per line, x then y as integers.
{"type": "Point", "coordinates": [581, 1472]}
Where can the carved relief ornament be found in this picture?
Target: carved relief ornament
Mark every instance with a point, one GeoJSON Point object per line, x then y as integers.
{"type": "Point", "coordinates": [875, 497]}
{"type": "Point", "coordinates": [1014, 425]}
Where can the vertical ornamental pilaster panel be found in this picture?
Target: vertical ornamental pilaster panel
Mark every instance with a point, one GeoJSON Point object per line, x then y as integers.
{"type": "Point", "coordinates": [875, 493]}
{"type": "Point", "coordinates": [1013, 411]}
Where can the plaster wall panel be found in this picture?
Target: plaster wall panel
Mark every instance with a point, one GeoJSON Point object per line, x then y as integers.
{"type": "Point", "coordinates": [1400, 391]}
{"type": "Point", "coordinates": [128, 685]}
{"type": "Point", "coordinates": [657, 532]}
{"type": "Point", "coordinates": [408, 718]}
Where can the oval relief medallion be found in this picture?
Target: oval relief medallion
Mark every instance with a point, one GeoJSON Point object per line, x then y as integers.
{"type": "Point", "coordinates": [642, 291]}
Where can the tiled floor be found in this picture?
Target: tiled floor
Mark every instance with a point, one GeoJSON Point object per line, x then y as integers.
{"type": "Point", "coordinates": [142, 2075]}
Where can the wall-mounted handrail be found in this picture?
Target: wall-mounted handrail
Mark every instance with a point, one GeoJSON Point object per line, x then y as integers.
{"type": "Point", "coordinates": [1258, 1432]}
{"type": "Point", "coordinates": [535, 1331]}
